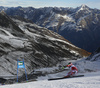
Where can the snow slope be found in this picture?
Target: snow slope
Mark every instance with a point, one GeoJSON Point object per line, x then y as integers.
{"type": "Point", "coordinates": [91, 80]}
{"type": "Point", "coordinates": [90, 70]}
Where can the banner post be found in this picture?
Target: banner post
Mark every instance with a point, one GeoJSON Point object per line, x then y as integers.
{"type": "Point", "coordinates": [25, 71]}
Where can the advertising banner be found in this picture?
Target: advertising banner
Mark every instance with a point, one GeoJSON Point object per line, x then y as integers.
{"type": "Point", "coordinates": [20, 64]}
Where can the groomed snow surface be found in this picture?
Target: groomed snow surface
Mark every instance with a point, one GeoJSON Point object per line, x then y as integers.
{"type": "Point", "coordinates": [90, 80]}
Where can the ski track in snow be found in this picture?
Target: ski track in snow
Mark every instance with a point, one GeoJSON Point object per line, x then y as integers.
{"type": "Point", "coordinates": [90, 80]}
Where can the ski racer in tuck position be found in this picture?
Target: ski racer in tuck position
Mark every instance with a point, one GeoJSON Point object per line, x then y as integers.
{"type": "Point", "coordinates": [73, 70]}
{"type": "Point", "coordinates": [71, 74]}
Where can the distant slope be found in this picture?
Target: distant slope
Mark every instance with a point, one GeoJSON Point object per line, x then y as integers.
{"type": "Point", "coordinates": [91, 63]}
{"type": "Point", "coordinates": [95, 56]}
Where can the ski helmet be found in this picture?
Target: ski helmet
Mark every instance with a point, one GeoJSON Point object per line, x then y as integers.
{"type": "Point", "coordinates": [69, 64]}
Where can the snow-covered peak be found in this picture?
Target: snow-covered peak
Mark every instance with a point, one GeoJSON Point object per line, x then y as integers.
{"type": "Point", "coordinates": [83, 7]}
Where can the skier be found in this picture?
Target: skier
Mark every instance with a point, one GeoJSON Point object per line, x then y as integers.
{"type": "Point", "coordinates": [71, 74]}
{"type": "Point", "coordinates": [73, 70]}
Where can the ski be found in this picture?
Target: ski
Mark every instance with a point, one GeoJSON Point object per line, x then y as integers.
{"type": "Point", "coordinates": [66, 77]}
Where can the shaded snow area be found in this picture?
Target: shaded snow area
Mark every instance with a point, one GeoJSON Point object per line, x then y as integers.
{"type": "Point", "coordinates": [90, 80]}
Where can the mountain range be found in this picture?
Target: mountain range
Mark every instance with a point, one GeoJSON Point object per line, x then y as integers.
{"type": "Point", "coordinates": [80, 26]}
{"type": "Point", "coordinates": [38, 46]}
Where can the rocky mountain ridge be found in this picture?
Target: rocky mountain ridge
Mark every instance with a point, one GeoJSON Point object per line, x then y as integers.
{"type": "Point", "coordinates": [38, 46]}
{"type": "Point", "coordinates": [80, 25]}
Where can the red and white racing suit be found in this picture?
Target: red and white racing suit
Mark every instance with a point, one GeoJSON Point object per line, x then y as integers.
{"type": "Point", "coordinates": [73, 71]}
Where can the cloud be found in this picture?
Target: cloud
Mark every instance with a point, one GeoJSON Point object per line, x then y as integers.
{"type": "Point", "coordinates": [1, 1]}
{"type": "Point", "coordinates": [47, 3]}
{"type": "Point", "coordinates": [94, 5]}
{"type": "Point", "coordinates": [8, 3]}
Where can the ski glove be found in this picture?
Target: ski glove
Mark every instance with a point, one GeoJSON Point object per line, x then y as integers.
{"type": "Point", "coordinates": [62, 67]}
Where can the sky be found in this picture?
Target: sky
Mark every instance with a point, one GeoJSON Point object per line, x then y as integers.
{"type": "Point", "coordinates": [50, 3]}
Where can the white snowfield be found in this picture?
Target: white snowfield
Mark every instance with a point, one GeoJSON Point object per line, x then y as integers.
{"type": "Point", "coordinates": [90, 80]}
